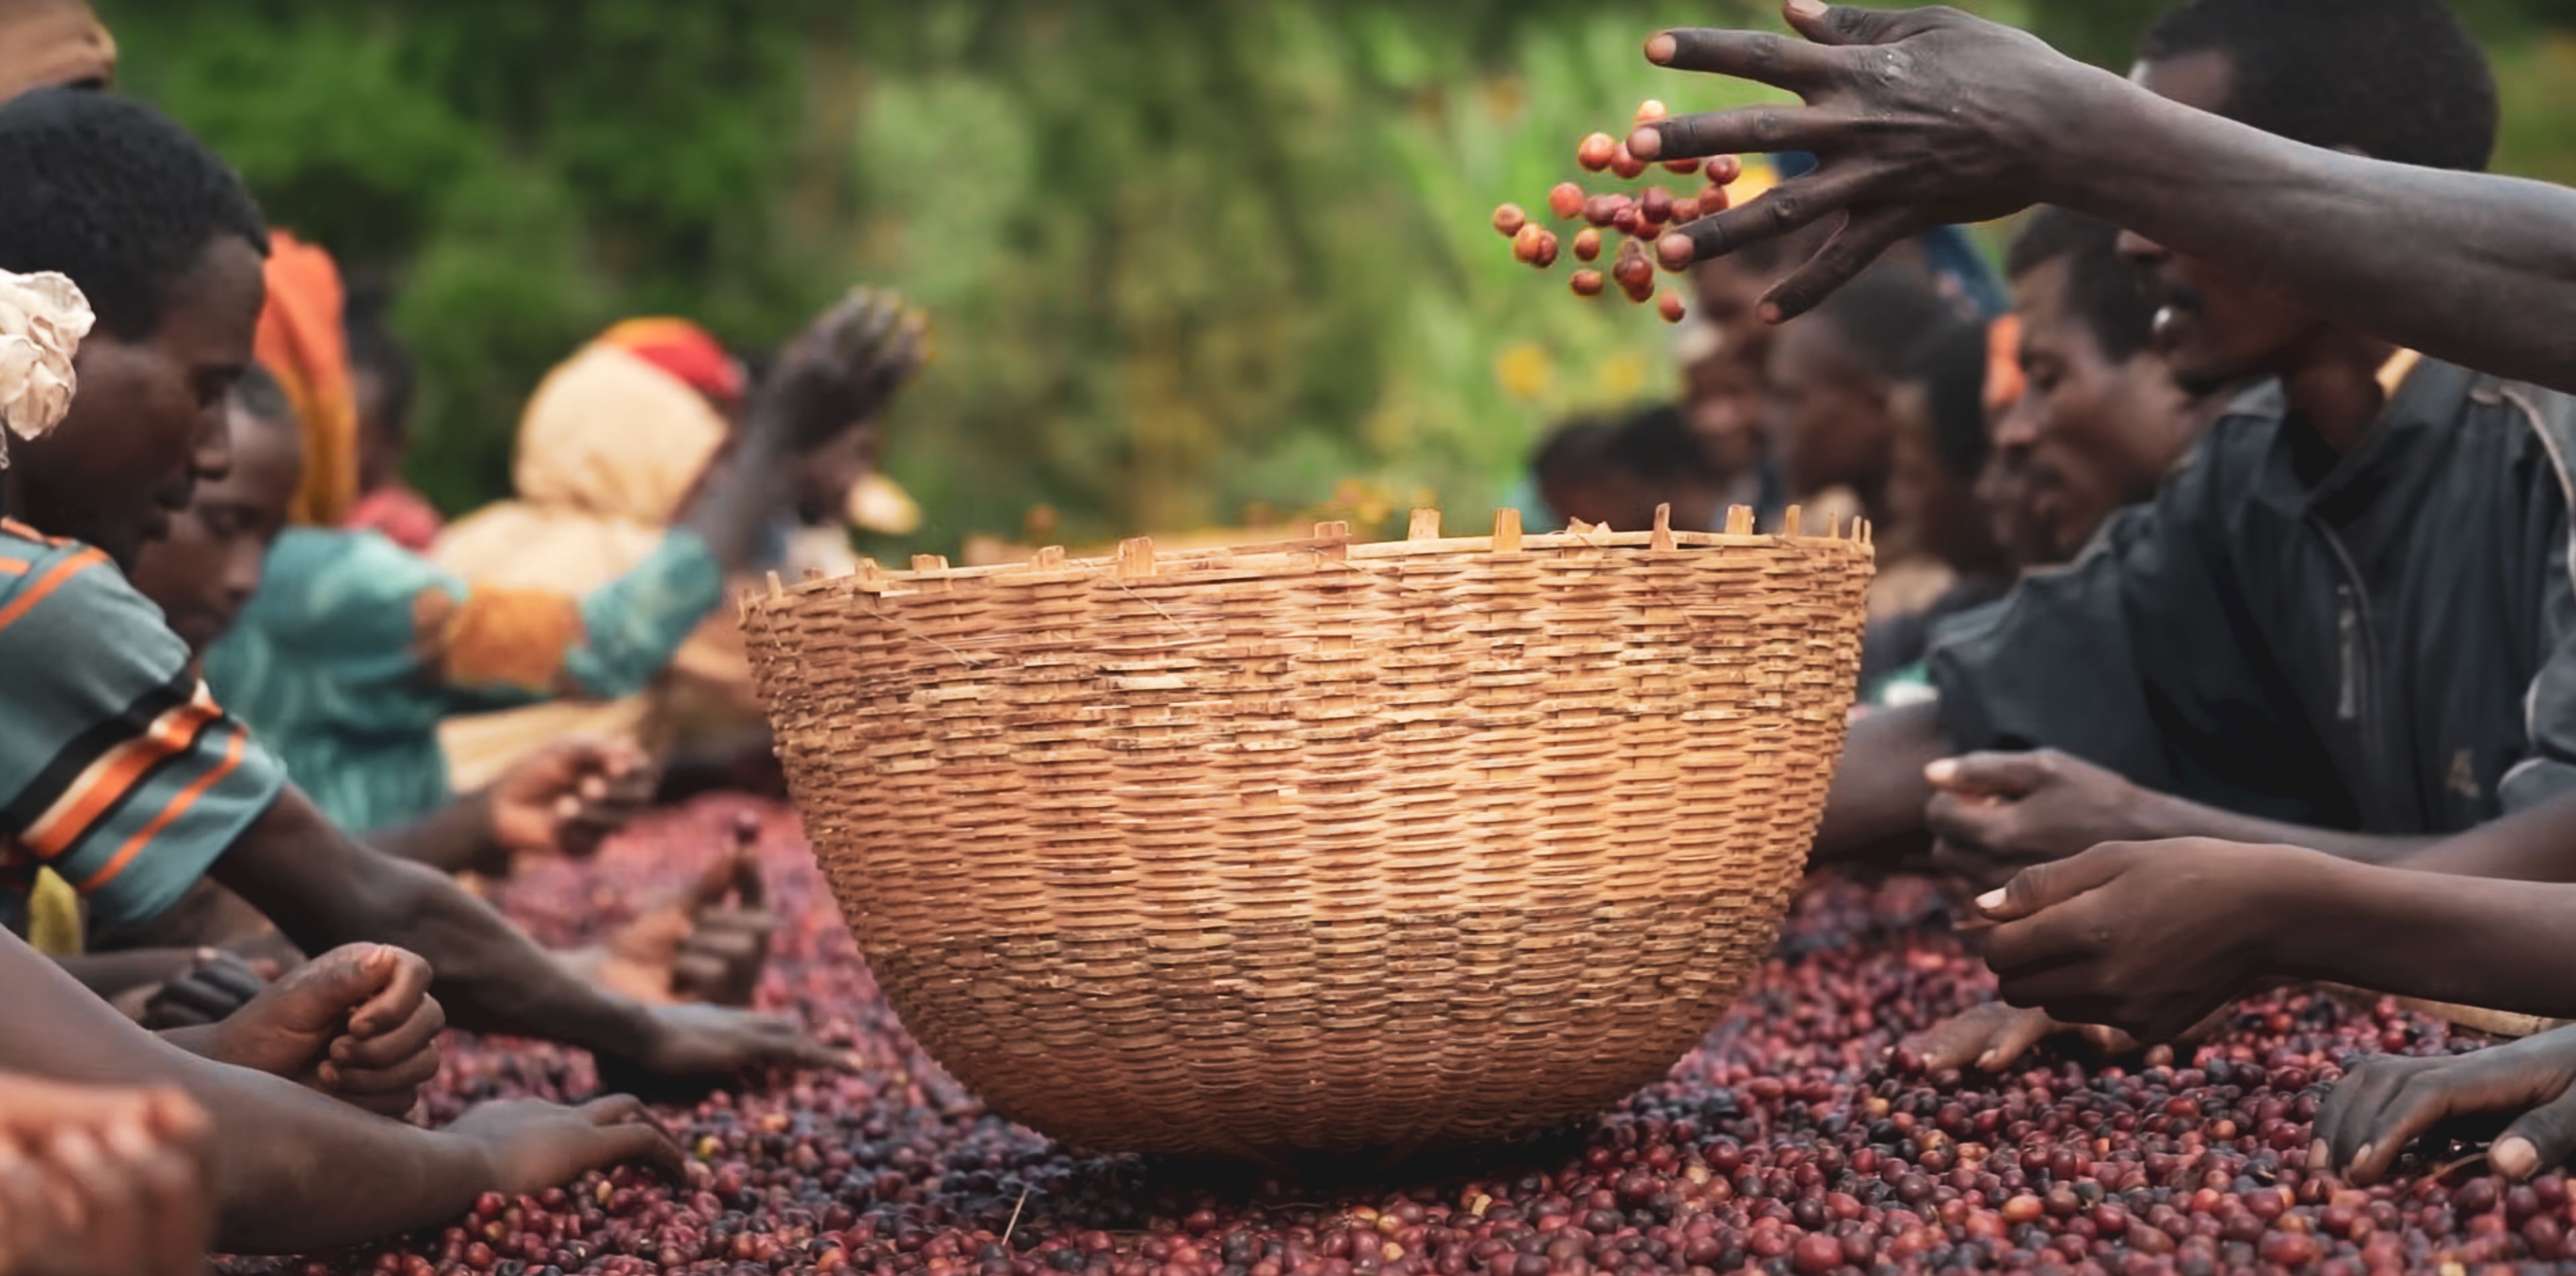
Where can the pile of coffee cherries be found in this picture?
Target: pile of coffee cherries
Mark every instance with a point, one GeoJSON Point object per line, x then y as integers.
{"type": "Point", "coordinates": [1793, 1141]}
{"type": "Point", "coordinates": [1624, 226]}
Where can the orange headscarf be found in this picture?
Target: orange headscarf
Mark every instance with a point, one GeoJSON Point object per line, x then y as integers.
{"type": "Point", "coordinates": [303, 345]}
{"type": "Point", "coordinates": [2004, 385]}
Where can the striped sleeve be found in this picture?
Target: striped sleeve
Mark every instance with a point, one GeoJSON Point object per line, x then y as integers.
{"type": "Point", "coordinates": [118, 770]}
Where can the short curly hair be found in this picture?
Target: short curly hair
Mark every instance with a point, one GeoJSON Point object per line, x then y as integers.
{"type": "Point", "coordinates": [112, 193]}
{"type": "Point", "coordinates": [2397, 80]}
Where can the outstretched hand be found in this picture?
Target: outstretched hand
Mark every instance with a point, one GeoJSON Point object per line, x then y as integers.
{"type": "Point", "coordinates": [843, 368]}
{"type": "Point", "coordinates": [2150, 938]}
{"type": "Point", "coordinates": [1917, 118]}
{"type": "Point", "coordinates": [709, 944]}
{"type": "Point", "coordinates": [1994, 814]}
{"type": "Point", "coordinates": [533, 1146]}
{"type": "Point", "coordinates": [2387, 1102]}
{"type": "Point", "coordinates": [568, 797]}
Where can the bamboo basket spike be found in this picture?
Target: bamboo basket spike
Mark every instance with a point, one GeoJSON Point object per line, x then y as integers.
{"type": "Point", "coordinates": [1320, 847]}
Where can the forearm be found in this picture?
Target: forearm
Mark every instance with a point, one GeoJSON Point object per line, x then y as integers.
{"type": "Point", "coordinates": [324, 890]}
{"type": "Point", "coordinates": [2166, 817]}
{"type": "Point", "coordinates": [750, 485]}
{"type": "Point", "coordinates": [456, 838]}
{"type": "Point", "coordinates": [2537, 845]}
{"type": "Point", "coordinates": [2470, 941]}
{"type": "Point", "coordinates": [1875, 809]}
{"type": "Point", "coordinates": [296, 1171]}
{"type": "Point", "coordinates": [2488, 276]}
{"type": "Point", "coordinates": [108, 974]}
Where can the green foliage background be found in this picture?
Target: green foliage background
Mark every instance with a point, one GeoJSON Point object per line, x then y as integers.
{"type": "Point", "coordinates": [1186, 259]}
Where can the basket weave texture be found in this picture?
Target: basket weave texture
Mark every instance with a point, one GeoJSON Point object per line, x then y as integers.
{"type": "Point", "coordinates": [1319, 847]}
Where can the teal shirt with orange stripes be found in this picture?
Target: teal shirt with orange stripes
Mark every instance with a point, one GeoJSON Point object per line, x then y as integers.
{"type": "Point", "coordinates": [117, 769]}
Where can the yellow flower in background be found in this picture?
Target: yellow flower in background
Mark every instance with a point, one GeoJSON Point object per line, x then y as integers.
{"type": "Point", "coordinates": [1758, 179]}
{"type": "Point", "coordinates": [1503, 98]}
{"type": "Point", "coordinates": [1525, 371]}
{"type": "Point", "coordinates": [1623, 377]}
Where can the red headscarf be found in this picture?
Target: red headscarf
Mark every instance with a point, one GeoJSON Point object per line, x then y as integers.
{"type": "Point", "coordinates": [684, 350]}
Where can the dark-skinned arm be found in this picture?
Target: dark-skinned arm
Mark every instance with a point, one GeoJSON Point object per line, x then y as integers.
{"type": "Point", "coordinates": [455, 838]}
{"type": "Point", "coordinates": [1926, 117]}
{"type": "Point", "coordinates": [1997, 813]}
{"type": "Point", "coordinates": [324, 890]}
{"type": "Point", "coordinates": [297, 1171]}
{"type": "Point", "coordinates": [2151, 937]}
{"type": "Point", "coordinates": [1875, 811]}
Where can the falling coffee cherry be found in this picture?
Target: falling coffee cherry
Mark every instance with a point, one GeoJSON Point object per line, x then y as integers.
{"type": "Point", "coordinates": [1587, 283]}
{"type": "Point", "coordinates": [1656, 204]}
{"type": "Point", "coordinates": [1602, 210]}
{"type": "Point", "coordinates": [1597, 152]}
{"type": "Point", "coordinates": [1624, 164]}
{"type": "Point", "coordinates": [1547, 250]}
{"type": "Point", "coordinates": [1509, 219]}
{"type": "Point", "coordinates": [1685, 167]}
{"type": "Point", "coordinates": [1630, 221]}
{"type": "Point", "coordinates": [1587, 244]}
{"type": "Point", "coordinates": [1566, 201]}
{"type": "Point", "coordinates": [1650, 111]}
{"type": "Point", "coordinates": [1670, 306]}
{"type": "Point", "coordinates": [1525, 243]}
{"type": "Point", "coordinates": [1685, 210]}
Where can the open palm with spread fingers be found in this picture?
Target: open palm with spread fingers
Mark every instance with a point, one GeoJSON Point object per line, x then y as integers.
{"type": "Point", "coordinates": [1917, 118]}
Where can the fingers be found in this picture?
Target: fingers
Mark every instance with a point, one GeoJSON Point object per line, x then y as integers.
{"type": "Point", "coordinates": [1990, 774]}
{"type": "Point", "coordinates": [2416, 1104]}
{"type": "Point", "coordinates": [2538, 1140]}
{"type": "Point", "coordinates": [186, 1003]}
{"type": "Point", "coordinates": [1864, 238]}
{"type": "Point", "coordinates": [232, 976]}
{"type": "Point", "coordinates": [2346, 1119]}
{"type": "Point", "coordinates": [1969, 821]}
{"type": "Point", "coordinates": [167, 1184]}
{"type": "Point", "coordinates": [104, 1199]}
{"type": "Point", "coordinates": [1990, 1037]}
{"type": "Point", "coordinates": [399, 999]}
{"type": "Point", "coordinates": [716, 882]}
{"type": "Point", "coordinates": [2045, 886]}
{"type": "Point", "coordinates": [1742, 131]}
{"type": "Point", "coordinates": [414, 1035]}
{"type": "Point", "coordinates": [1782, 63]}
{"type": "Point", "coordinates": [1842, 24]}
{"type": "Point", "coordinates": [1790, 206]}
{"type": "Point", "coordinates": [384, 1091]}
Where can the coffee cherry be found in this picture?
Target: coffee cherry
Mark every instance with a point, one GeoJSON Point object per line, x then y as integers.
{"type": "Point", "coordinates": [1624, 164]}
{"type": "Point", "coordinates": [1597, 152]}
{"type": "Point", "coordinates": [1587, 244]}
{"type": "Point", "coordinates": [1509, 219]}
{"type": "Point", "coordinates": [1526, 243]}
{"type": "Point", "coordinates": [1586, 283]}
{"type": "Point", "coordinates": [1670, 306]}
{"type": "Point", "coordinates": [1565, 199]}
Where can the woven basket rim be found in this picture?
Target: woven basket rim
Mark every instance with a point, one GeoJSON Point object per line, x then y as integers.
{"type": "Point", "coordinates": [1137, 558]}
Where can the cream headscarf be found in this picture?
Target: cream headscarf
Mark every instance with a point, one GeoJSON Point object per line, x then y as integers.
{"type": "Point", "coordinates": [42, 320]}
{"type": "Point", "coordinates": [609, 449]}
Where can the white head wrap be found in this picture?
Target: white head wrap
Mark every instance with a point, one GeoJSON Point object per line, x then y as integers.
{"type": "Point", "coordinates": [42, 320]}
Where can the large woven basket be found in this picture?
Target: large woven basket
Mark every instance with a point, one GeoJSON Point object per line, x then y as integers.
{"type": "Point", "coordinates": [1319, 847]}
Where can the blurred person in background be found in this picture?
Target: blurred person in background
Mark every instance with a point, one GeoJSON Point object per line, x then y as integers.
{"type": "Point", "coordinates": [1616, 474]}
{"type": "Point", "coordinates": [612, 447]}
{"type": "Point", "coordinates": [53, 44]}
{"type": "Point", "coordinates": [1723, 397]}
{"type": "Point", "coordinates": [2106, 419]}
{"type": "Point", "coordinates": [382, 385]}
{"type": "Point", "coordinates": [353, 650]}
{"type": "Point", "coordinates": [1831, 377]}
{"type": "Point", "coordinates": [1939, 409]}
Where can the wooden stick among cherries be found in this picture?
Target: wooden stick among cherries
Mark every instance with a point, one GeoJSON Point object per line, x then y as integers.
{"type": "Point", "coordinates": [1633, 220]}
